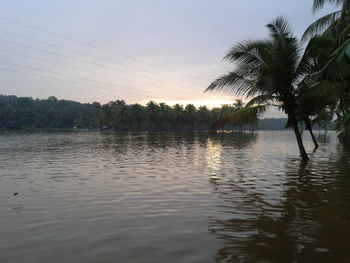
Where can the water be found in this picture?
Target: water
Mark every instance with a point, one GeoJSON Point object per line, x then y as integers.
{"type": "Point", "coordinates": [166, 197]}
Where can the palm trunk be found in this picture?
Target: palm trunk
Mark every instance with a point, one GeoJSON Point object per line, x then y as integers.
{"type": "Point", "coordinates": [313, 137]}
{"type": "Point", "coordinates": [300, 141]}
{"type": "Point", "coordinates": [309, 128]}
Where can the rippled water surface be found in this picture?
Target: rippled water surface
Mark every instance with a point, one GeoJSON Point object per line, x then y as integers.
{"type": "Point", "coordinates": [166, 197]}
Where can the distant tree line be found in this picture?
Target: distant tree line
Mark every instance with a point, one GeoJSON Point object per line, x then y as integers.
{"type": "Point", "coordinates": [154, 116]}
{"type": "Point", "coordinates": [24, 112]}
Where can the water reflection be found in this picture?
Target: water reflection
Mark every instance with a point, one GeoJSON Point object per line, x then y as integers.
{"type": "Point", "coordinates": [216, 142]}
{"type": "Point", "coordinates": [323, 137]}
{"type": "Point", "coordinates": [306, 221]}
{"type": "Point", "coordinates": [151, 197]}
{"type": "Point", "coordinates": [213, 157]}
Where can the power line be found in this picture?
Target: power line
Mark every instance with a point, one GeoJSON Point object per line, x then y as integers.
{"type": "Point", "coordinates": [77, 59]}
{"type": "Point", "coordinates": [208, 43]}
{"type": "Point", "coordinates": [60, 64]}
{"type": "Point", "coordinates": [95, 47]}
{"type": "Point", "coordinates": [64, 80]}
{"type": "Point", "coordinates": [94, 57]}
{"type": "Point", "coordinates": [71, 81]}
{"type": "Point", "coordinates": [63, 74]}
{"type": "Point", "coordinates": [65, 56]}
{"type": "Point", "coordinates": [114, 28]}
{"type": "Point", "coordinates": [100, 23]}
{"type": "Point", "coordinates": [55, 72]}
{"type": "Point", "coordinates": [46, 43]}
{"type": "Point", "coordinates": [75, 82]}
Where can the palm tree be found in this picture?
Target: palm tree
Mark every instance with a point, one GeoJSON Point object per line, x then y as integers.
{"type": "Point", "coordinates": [271, 72]}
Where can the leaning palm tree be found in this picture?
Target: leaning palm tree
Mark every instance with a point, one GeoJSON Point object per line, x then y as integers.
{"type": "Point", "coordinates": [335, 24]}
{"type": "Point", "coordinates": [269, 72]}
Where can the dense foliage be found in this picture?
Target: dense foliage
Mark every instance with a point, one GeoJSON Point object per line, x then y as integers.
{"type": "Point", "coordinates": [24, 112]}
{"type": "Point", "coordinates": [334, 70]}
{"type": "Point", "coordinates": [154, 116]}
{"type": "Point", "coordinates": [19, 112]}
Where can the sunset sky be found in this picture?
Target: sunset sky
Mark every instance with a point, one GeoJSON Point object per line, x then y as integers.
{"type": "Point", "coordinates": [136, 50]}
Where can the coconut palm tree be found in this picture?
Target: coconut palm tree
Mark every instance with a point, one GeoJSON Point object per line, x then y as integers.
{"type": "Point", "coordinates": [269, 72]}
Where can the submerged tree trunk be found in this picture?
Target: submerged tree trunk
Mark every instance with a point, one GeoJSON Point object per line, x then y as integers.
{"type": "Point", "coordinates": [313, 137]}
{"type": "Point", "coordinates": [309, 128]}
{"type": "Point", "coordinates": [300, 141]}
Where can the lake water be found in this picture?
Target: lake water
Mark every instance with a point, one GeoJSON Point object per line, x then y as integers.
{"type": "Point", "coordinates": [170, 197]}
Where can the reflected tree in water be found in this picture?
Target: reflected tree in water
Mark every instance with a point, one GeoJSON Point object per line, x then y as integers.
{"type": "Point", "coordinates": [307, 220]}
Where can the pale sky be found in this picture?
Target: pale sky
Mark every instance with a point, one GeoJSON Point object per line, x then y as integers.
{"type": "Point", "coordinates": [135, 50]}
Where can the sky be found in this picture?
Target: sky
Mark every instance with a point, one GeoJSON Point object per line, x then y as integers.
{"type": "Point", "coordinates": [135, 50]}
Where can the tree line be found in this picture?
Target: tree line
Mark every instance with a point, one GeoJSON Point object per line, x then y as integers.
{"type": "Point", "coordinates": [27, 113]}
{"type": "Point", "coordinates": [160, 116]}
{"type": "Point", "coordinates": [307, 79]}
{"type": "Point", "coordinates": [20, 112]}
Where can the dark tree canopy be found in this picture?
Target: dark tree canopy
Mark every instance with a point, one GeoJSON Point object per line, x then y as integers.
{"type": "Point", "coordinates": [25, 112]}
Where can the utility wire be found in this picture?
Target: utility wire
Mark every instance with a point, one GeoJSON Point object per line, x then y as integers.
{"type": "Point", "coordinates": [95, 46]}
{"type": "Point", "coordinates": [101, 23]}
{"type": "Point", "coordinates": [63, 74]}
{"type": "Point", "coordinates": [57, 73]}
{"type": "Point", "coordinates": [77, 59]}
{"type": "Point", "coordinates": [64, 65]}
{"type": "Point", "coordinates": [114, 28]}
{"type": "Point", "coordinates": [94, 57]}
{"type": "Point", "coordinates": [65, 80]}
{"type": "Point", "coordinates": [78, 83]}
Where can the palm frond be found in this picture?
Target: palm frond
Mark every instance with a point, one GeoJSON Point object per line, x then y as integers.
{"type": "Point", "coordinates": [320, 25]}
{"type": "Point", "coordinates": [344, 33]}
{"type": "Point", "coordinates": [316, 54]}
{"type": "Point", "coordinates": [262, 85]}
{"type": "Point", "coordinates": [240, 117]}
{"type": "Point", "coordinates": [318, 4]}
{"type": "Point", "coordinates": [280, 27]}
{"type": "Point", "coordinates": [286, 52]}
{"type": "Point", "coordinates": [232, 82]}
{"type": "Point", "coordinates": [261, 99]}
{"type": "Point", "coordinates": [249, 52]}
{"type": "Point", "coordinates": [337, 68]}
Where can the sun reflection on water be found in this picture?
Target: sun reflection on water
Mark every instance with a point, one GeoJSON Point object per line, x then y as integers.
{"type": "Point", "coordinates": [213, 157]}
